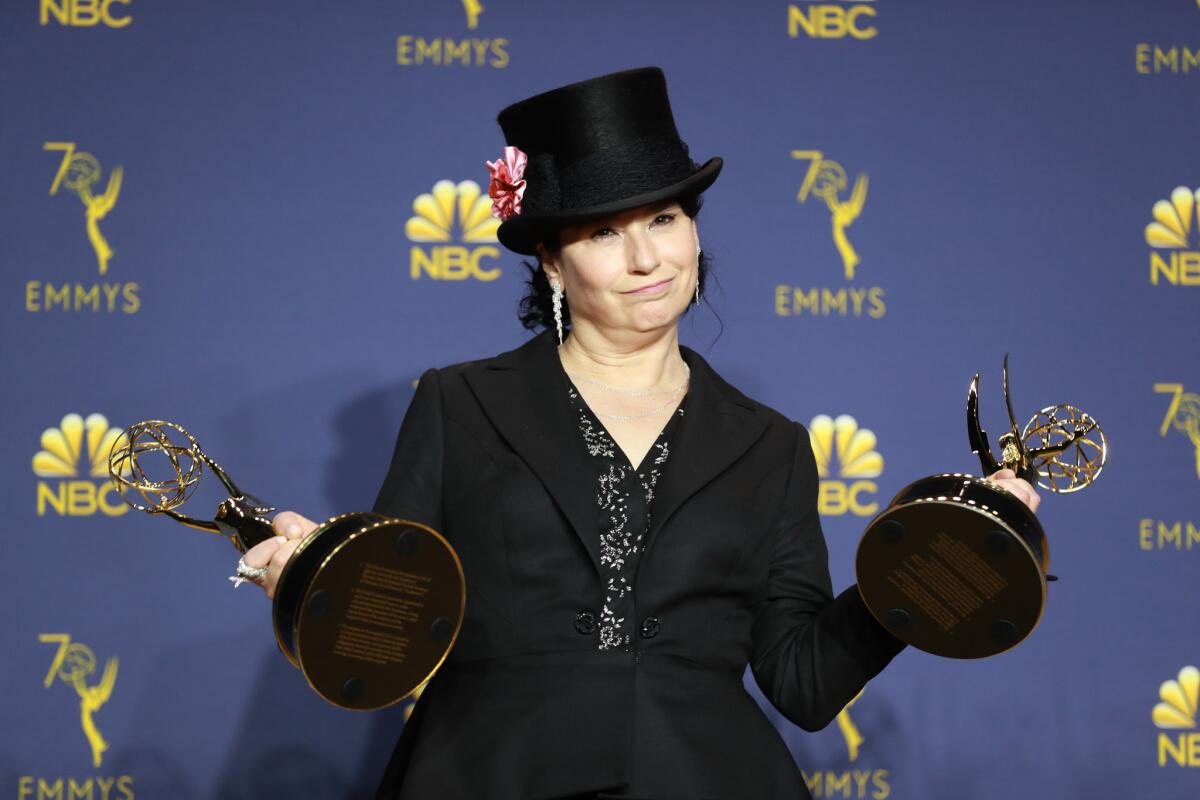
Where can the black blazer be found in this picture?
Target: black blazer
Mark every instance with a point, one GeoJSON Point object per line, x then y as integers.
{"type": "Point", "coordinates": [734, 571]}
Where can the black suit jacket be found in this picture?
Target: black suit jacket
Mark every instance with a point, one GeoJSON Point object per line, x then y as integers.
{"type": "Point", "coordinates": [734, 570]}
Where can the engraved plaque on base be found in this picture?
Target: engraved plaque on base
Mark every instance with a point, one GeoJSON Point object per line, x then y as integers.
{"type": "Point", "coordinates": [370, 612]}
{"type": "Point", "coordinates": [956, 565]}
{"type": "Point", "coordinates": [368, 607]}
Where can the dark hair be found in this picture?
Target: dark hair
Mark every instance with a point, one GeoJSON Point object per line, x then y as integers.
{"type": "Point", "coordinates": [536, 310]}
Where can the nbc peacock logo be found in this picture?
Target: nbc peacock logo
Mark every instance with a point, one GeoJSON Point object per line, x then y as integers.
{"type": "Point", "coordinates": [455, 221]}
{"type": "Point", "coordinates": [1173, 232]}
{"type": "Point", "coordinates": [1177, 713]}
{"type": "Point", "coordinates": [846, 461]}
{"type": "Point", "coordinates": [73, 464]}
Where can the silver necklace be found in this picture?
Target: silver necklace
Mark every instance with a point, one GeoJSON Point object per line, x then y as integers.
{"type": "Point", "coordinates": [687, 374]}
{"type": "Point", "coordinates": [652, 412]}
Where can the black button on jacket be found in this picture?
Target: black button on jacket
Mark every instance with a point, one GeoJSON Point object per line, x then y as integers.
{"type": "Point", "coordinates": [734, 569]}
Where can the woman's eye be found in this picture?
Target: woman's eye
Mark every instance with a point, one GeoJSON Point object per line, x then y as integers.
{"type": "Point", "coordinates": [664, 219]}
{"type": "Point", "coordinates": [601, 233]}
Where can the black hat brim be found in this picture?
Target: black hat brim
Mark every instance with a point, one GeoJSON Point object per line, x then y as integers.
{"type": "Point", "coordinates": [521, 234]}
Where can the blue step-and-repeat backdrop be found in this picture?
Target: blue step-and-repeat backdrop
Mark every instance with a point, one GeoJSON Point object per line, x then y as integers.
{"type": "Point", "coordinates": [255, 218]}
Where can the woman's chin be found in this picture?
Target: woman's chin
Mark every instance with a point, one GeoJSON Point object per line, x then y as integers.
{"type": "Point", "coordinates": [657, 315]}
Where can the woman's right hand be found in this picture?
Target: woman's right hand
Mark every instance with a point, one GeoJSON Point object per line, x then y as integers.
{"type": "Point", "coordinates": [291, 528]}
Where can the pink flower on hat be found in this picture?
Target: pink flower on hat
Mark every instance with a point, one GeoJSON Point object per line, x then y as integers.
{"type": "Point", "coordinates": [507, 186]}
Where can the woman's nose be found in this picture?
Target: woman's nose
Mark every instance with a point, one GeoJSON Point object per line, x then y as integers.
{"type": "Point", "coordinates": [643, 254]}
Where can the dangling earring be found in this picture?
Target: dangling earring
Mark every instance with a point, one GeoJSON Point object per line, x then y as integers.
{"type": "Point", "coordinates": [556, 300]}
{"type": "Point", "coordinates": [698, 274]}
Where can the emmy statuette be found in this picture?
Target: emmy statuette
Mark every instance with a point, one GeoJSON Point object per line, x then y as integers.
{"type": "Point", "coordinates": [956, 565]}
{"type": "Point", "coordinates": [367, 607]}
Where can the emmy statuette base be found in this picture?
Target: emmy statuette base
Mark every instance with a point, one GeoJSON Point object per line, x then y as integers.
{"type": "Point", "coordinates": [368, 608]}
{"type": "Point", "coordinates": [955, 566]}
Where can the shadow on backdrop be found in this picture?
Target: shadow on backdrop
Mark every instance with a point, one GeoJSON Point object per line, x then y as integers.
{"type": "Point", "coordinates": [280, 747]}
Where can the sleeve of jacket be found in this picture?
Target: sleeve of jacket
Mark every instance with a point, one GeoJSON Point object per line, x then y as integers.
{"type": "Point", "coordinates": [812, 652]}
{"type": "Point", "coordinates": [412, 489]}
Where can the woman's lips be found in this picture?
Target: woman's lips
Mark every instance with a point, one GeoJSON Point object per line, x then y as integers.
{"type": "Point", "coordinates": [652, 288]}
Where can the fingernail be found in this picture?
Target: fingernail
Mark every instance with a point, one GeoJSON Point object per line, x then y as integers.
{"type": "Point", "coordinates": [281, 539]}
{"type": "Point", "coordinates": [293, 530]}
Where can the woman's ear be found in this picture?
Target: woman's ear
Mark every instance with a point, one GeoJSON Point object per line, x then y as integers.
{"type": "Point", "coordinates": [550, 264]}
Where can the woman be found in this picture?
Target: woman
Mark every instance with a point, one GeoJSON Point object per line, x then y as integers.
{"type": "Point", "coordinates": [634, 530]}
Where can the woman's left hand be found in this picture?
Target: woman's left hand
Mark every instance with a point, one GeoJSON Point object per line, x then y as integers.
{"type": "Point", "coordinates": [1007, 479]}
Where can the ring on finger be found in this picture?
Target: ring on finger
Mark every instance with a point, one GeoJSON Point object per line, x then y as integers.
{"type": "Point", "coordinates": [245, 573]}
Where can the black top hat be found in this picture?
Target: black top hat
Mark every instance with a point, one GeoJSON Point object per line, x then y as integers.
{"type": "Point", "coordinates": [597, 147]}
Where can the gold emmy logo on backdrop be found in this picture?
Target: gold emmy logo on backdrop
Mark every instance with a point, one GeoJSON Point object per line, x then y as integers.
{"type": "Point", "coordinates": [473, 9]}
{"type": "Point", "coordinates": [855, 782]}
{"type": "Point", "coordinates": [822, 20]}
{"type": "Point", "coordinates": [73, 664]}
{"type": "Point", "coordinates": [859, 784]}
{"type": "Point", "coordinates": [75, 456]}
{"type": "Point", "coordinates": [1183, 414]}
{"type": "Point", "coordinates": [449, 50]}
{"type": "Point", "coordinates": [846, 460]}
{"type": "Point", "coordinates": [1175, 59]}
{"type": "Point", "coordinates": [828, 181]}
{"type": "Point", "coordinates": [1155, 59]}
{"type": "Point", "coordinates": [1177, 712]}
{"type": "Point", "coordinates": [452, 212]}
{"type": "Point", "coordinates": [80, 174]}
{"type": "Point", "coordinates": [1172, 230]}
{"type": "Point", "coordinates": [849, 730]}
{"type": "Point", "coordinates": [84, 13]}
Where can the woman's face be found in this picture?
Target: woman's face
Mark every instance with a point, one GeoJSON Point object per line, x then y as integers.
{"type": "Point", "coordinates": [630, 272]}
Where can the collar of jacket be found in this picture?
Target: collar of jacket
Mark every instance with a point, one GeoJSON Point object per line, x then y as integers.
{"type": "Point", "coordinates": [523, 393]}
